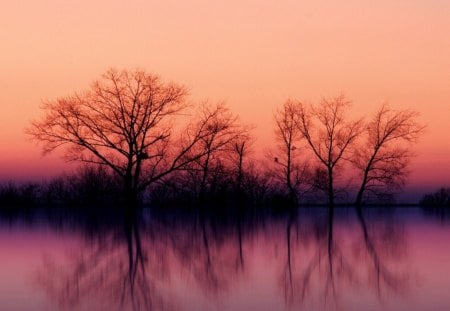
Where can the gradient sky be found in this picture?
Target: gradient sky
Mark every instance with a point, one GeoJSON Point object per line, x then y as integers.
{"type": "Point", "coordinates": [253, 54]}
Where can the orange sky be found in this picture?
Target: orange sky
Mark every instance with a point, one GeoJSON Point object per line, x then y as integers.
{"type": "Point", "coordinates": [251, 53]}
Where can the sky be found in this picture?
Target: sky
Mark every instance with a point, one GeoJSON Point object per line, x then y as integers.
{"type": "Point", "coordinates": [252, 54]}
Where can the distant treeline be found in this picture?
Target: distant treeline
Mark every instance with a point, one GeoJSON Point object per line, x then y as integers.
{"type": "Point", "coordinates": [89, 186]}
{"type": "Point", "coordinates": [93, 186]}
{"type": "Point", "coordinates": [440, 198]}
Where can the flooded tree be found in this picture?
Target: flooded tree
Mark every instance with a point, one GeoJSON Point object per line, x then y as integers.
{"type": "Point", "coordinates": [382, 159]}
{"type": "Point", "coordinates": [126, 122]}
{"type": "Point", "coordinates": [330, 134]}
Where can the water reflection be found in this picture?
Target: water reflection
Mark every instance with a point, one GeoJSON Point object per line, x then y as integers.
{"type": "Point", "coordinates": [324, 259]}
{"type": "Point", "coordinates": [440, 213]}
{"type": "Point", "coordinates": [114, 267]}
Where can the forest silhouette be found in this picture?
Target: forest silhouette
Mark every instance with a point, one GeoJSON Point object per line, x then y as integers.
{"type": "Point", "coordinates": [140, 140]}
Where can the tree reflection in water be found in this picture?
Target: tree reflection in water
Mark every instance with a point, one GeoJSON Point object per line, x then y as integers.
{"type": "Point", "coordinates": [138, 260]}
{"type": "Point", "coordinates": [112, 271]}
{"type": "Point", "coordinates": [329, 262]}
{"type": "Point", "coordinates": [131, 268]}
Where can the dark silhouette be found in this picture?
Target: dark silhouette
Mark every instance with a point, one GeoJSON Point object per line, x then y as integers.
{"type": "Point", "coordinates": [240, 166]}
{"type": "Point", "coordinates": [329, 134]}
{"type": "Point", "coordinates": [13, 194]}
{"type": "Point", "coordinates": [126, 122]}
{"type": "Point", "coordinates": [289, 171]}
{"type": "Point", "coordinates": [383, 157]}
{"type": "Point", "coordinates": [440, 198]}
{"type": "Point", "coordinates": [206, 174]}
{"type": "Point", "coordinates": [139, 136]}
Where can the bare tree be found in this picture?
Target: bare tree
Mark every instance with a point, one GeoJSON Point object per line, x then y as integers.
{"type": "Point", "coordinates": [224, 131]}
{"type": "Point", "coordinates": [239, 162]}
{"type": "Point", "coordinates": [288, 136]}
{"type": "Point", "coordinates": [125, 121]}
{"type": "Point", "coordinates": [383, 158]}
{"type": "Point", "coordinates": [329, 134]}
{"type": "Point", "coordinates": [208, 169]}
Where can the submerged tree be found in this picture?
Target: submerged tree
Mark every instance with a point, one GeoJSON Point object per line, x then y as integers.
{"type": "Point", "coordinates": [329, 135]}
{"type": "Point", "coordinates": [125, 121]}
{"type": "Point", "coordinates": [383, 158]}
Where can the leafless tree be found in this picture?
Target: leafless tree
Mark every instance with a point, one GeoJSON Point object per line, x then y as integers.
{"type": "Point", "coordinates": [209, 169]}
{"type": "Point", "coordinates": [329, 133]}
{"type": "Point", "coordinates": [288, 136]}
{"type": "Point", "coordinates": [125, 121]}
{"type": "Point", "coordinates": [383, 157]}
{"type": "Point", "coordinates": [240, 150]}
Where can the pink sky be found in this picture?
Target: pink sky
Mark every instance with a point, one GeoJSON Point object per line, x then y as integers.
{"type": "Point", "coordinates": [252, 54]}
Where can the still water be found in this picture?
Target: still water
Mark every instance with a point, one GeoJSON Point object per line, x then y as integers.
{"type": "Point", "coordinates": [305, 259]}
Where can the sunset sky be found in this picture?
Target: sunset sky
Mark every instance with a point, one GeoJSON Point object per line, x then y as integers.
{"type": "Point", "coordinates": [253, 54]}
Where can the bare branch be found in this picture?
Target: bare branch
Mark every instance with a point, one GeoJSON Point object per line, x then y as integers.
{"type": "Point", "coordinates": [383, 157]}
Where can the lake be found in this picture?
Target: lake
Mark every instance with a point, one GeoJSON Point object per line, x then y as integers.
{"type": "Point", "coordinates": [256, 259]}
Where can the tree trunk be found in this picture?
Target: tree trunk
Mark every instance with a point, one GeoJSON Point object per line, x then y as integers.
{"type": "Point", "coordinates": [205, 172]}
{"type": "Point", "coordinates": [330, 187]}
{"type": "Point", "coordinates": [130, 193]}
{"type": "Point", "coordinates": [292, 192]}
{"type": "Point", "coordinates": [359, 196]}
{"type": "Point", "coordinates": [362, 188]}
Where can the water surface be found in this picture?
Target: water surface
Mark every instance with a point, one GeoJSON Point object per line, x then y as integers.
{"type": "Point", "coordinates": [305, 259]}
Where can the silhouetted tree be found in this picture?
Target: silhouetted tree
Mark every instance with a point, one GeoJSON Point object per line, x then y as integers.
{"type": "Point", "coordinates": [126, 122]}
{"type": "Point", "coordinates": [329, 134]}
{"type": "Point", "coordinates": [240, 149]}
{"type": "Point", "coordinates": [382, 160]}
{"type": "Point", "coordinates": [213, 173]}
{"type": "Point", "coordinates": [288, 136]}
{"type": "Point", "coordinates": [224, 131]}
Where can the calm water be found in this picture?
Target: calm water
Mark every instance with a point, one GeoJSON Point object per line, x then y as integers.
{"type": "Point", "coordinates": [309, 259]}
